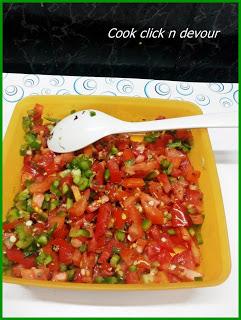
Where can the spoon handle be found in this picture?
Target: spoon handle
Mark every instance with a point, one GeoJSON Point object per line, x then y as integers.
{"type": "Point", "coordinates": [210, 120]}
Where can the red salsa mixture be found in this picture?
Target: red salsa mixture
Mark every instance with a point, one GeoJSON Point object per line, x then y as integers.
{"type": "Point", "coordinates": [126, 209]}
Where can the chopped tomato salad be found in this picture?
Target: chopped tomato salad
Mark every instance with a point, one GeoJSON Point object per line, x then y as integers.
{"type": "Point", "coordinates": [126, 209]}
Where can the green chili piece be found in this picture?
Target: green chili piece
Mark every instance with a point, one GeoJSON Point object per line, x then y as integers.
{"type": "Point", "coordinates": [129, 163]}
{"type": "Point", "coordinates": [79, 233]}
{"type": "Point", "coordinates": [54, 188]}
{"type": "Point", "coordinates": [166, 166]}
{"type": "Point", "coordinates": [69, 203]}
{"type": "Point", "coordinates": [83, 247]}
{"type": "Point", "coordinates": [179, 145]}
{"type": "Point", "coordinates": [23, 149]}
{"type": "Point", "coordinates": [54, 204]}
{"type": "Point", "coordinates": [114, 150]}
{"type": "Point", "coordinates": [64, 173]}
{"type": "Point", "coordinates": [52, 119]}
{"type": "Point", "coordinates": [32, 141]}
{"type": "Point", "coordinates": [88, 173]}
{"type": "Point", "coordinates": [27, 123]}
{"type": "Point", "coordinates": [199, 237]}
{"type": "Point", "coordinates": [70, 274]}
{"type": "Point", "coordinates": [42, 240]}
{"type": "Point", "coordinates": [80, 162]}
{"type": "Point", "coordinates": [30, 250]}
{"type": "Point", "coordinates": [44, 259]}
{"type": "Point", "coordinates": [62, 267]}
{"type": "Point", "coordinates": [172, 232]}
{"type": "Point", "coordinates": [24, 241]}
{"type": "Point", "coordinates": [13, 214]}
{"type": "Point", "coordinates": [25, 238]}
{"type": "Point", "coordinates": [76, 174]}
{"type": "Point", "coordinates": [83, 184]}
{"type": "Point", "coordinates": [99, 280]}
{"type": "Point", "coordinates": [65, 188]}
{"type": "Point", "coordinates": [111, 280]}
{"type": "Point", "coordinates": [47, 197]}
{"type": "Point", "coordinates": [23, 195]}
{"type": "Point", "coordinates": [6, 263]}
{"type": "Point", "coordinates": [120, 235]}
{"type": "Point", "coordinates": [132, 268]}
{"type": "Point", "coordinates": [146, 224]}
{"type": "Point", "coordinates": [151, 137]}
{"type": "Point", "coordinates": [84, 164]}
{"type": "Point", "coordinates": [107, 174]}
{"type": "Point", "coordinates": [114, 260]}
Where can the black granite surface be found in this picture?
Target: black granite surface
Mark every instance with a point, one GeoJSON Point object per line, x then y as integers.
{"type": "Point", "coordinates": [71, 39]}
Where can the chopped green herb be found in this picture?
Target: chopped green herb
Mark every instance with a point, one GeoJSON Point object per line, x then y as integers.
{"type": "Point", "coordinates": [92, 113]}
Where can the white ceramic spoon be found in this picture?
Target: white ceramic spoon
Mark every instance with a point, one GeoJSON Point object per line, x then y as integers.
{"type": "Point", "coordinates": [82, 128]}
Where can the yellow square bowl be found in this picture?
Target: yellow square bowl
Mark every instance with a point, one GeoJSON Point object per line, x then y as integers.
{"type": "Point", "coordinates": [215, 263]}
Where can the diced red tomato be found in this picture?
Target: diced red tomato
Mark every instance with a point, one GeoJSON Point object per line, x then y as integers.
{"type": "Point", "coordinates": [185, 258]}
{"type": "Point", "coordinates": [103, 218]}
{"type": "Point", "coordinates": [133, 183]}
{"type": "Point", "coordinates": [152, 213]}
{"type": "Point", "coordinates": [163, 178]}
{"type": "Point", "coordinates": [128, 255]}
{"type": "Point", "coordinates": [120, 218]}
{"type": "Point", "coordinates": [99, 168]}
{"type": "Point", "coordinates": [115, 173]}
{"type": "Point", "coordinates": [79, 207]}
{"type": "Point", "coordinates": [127, 155]}
{"type": "Point", "coordinates": [179, 218]}
{"type": "Point", "coordinates": [17, 256]}
{"type": "Point", "coordinates": [132, 277]}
